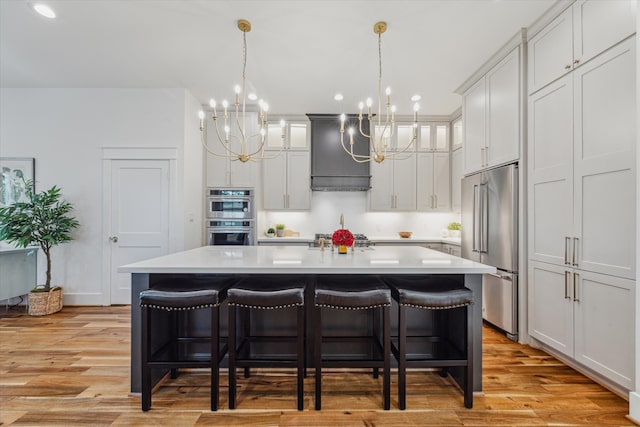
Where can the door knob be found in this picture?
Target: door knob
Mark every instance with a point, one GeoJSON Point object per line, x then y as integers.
{"type": "Point", "coordinates": [113, 239]}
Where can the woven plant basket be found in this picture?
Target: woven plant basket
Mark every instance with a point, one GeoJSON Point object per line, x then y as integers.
{"type": "Point", "coordinates": [43, 303]}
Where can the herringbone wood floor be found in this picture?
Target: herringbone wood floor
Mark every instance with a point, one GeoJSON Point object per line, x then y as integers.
{"type": "Point", "coordinates": [72, 368]}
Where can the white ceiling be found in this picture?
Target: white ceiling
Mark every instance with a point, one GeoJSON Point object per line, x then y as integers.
{"type": "Point", "coordinates": [300, 53]}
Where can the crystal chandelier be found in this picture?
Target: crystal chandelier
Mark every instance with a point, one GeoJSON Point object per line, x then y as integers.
{"type": "Point", "coordinates": [380, 132]}
{"type": "Point", "coordinates": [234, 137]}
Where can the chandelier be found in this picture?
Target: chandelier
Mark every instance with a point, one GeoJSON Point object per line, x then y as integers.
{"type": "Point", "coordinates": [380, 132]}
{"type": "Point", "coordinates": [235, 138]}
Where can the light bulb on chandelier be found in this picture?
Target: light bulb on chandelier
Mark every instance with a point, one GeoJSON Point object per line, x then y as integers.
{"type": "Point", "coordinates": [380, 132]}
{"type": "Point", "coordinates": [237, 143]}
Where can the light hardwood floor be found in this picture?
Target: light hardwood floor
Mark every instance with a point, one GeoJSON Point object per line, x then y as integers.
{"type": "Point", "coordinates": [72, 368]}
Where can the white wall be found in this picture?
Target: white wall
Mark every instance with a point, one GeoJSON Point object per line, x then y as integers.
{"type": "Point", "coordinates": [194, 176]}
{"type": "Point", "coordinates": [326, 207]}
{"type": "Point", "coordinates": [65, 130]}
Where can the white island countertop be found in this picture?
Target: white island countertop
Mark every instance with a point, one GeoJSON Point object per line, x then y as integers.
{"type": "Point", "coordinates": [404, 259]}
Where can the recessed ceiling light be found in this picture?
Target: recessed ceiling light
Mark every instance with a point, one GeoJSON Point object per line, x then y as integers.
{"type": "Point", "coordinates": [338, 97]}
{"type": "Point", "coordinates": [252, 96]}
{"type": "Point", "coordinates": [415, 98]}
{"type": "Point", "coordinates": [44, 10]}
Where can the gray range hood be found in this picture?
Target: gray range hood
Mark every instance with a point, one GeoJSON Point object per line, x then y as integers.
{"type": "Point", "coordinates": [331, 168]}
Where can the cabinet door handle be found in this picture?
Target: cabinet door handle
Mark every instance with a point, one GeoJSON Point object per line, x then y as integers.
{"type": "Point", "coordinates": [435, 206]}
{"type": "Point", "coordinates": [566, 284]}
{"type": "Point", "coordinates": [575, 251]}
{"type": "Point", "coordinates": [482, 156]}
{"type": "Point", "coordinates": [486, 156]}
{"type": "Point", "coordinates": [113, 239]}
{"type": "Point", "coordinates": [576, 61]}
{"type": "Point", "coordinates": [575, 287]}
{"type": "Point", "coordinates": [284, 200]}
{"type": "Point", "coordinates": [431, 205]}
{"type": "Point", "coordinates": [567, 239]}
{"type": "Point", "coordinates": [567, 67]}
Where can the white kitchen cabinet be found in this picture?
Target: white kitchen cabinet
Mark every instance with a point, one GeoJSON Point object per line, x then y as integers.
{"type": "Point", "coordinates": [436, 246]}
{"type": "Point", "coordinates": [456, 180]}
{"type": "Point", "coordinates": [474, 112]}
{"type": "Point", "coordinates": [286, 181]}
{"type": "Point", "coordinates": [286, 178]}
{"type": "Point", "coordinates": [582, 185]}
{"type": "Point", "coordinates": [433, 182]}
{"type": "Point", "coordinates": [456, 134]}
{"type": "Point", "coordinates": [393, 185]}
{"type": "Point", "coordinates": [433, 136]}
{"type": "Point", "coordinates": [551, 305]}
{"type": "Point", "coordinates": [581, 32]}
{"type": "Point", "coordinates": [586, 316]}
{"type": "Point", "coordinates": [551, 172]}
{"type": "Point", "coordinates": [582, 166]}
{"type": "Point", "coordinates": [450, 249]}
{"type": "Point", "coordinates": [223, 171]}
{"type": "Point", "coordinates": [491, 112]}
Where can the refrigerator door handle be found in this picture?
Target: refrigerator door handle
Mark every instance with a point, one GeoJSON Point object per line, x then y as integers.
{"type": "Point", "coordinates": [484, 217]}
{"type": "Point", "coordinates": [474, 225]}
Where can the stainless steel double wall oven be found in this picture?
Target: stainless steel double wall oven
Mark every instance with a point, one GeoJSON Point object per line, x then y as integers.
{"type": "Point", "coordinates": [230, 216]}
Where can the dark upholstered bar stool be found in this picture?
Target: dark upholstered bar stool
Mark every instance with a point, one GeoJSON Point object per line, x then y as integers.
{"type": "Point", "coordinates": [265, 294]}
{"type": "Point", "coordinates": [177, 352]}
{"type": "Point", "coordinates": [354, 293]}
{"type": "Point", "coordinates": [445, 295]}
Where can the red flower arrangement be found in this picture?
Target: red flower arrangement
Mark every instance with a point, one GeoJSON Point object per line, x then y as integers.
{"type": "Point", "coordinates": [342, 237]}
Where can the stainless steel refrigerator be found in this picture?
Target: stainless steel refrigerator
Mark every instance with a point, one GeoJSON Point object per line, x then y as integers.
{"type": "Point", "coordinates": [490, 236]}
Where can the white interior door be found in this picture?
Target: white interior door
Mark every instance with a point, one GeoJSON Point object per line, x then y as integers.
{"type": "Point", "coordinates": [140, 208]}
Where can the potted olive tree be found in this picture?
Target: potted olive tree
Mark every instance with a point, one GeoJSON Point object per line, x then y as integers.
{"type": "Point", "coordinates": [43, 220]}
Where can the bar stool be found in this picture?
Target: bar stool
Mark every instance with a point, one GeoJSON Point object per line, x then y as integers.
{"type": "Point", "coordinates": [445, 295]}
{"type": "Point", "coordinates": [265, 294]}
{"type": "Point", "coordinates": [177, 352]}
{"type": "Point", "coordinates": [354, 293]}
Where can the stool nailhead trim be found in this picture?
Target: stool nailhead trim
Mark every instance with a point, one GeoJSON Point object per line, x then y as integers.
{"type": "Point", "coordinates": [162, 307]}
{"type": "Point", "coordinates": [265, 307]}
{"type": "Point", "coordinates": [342, 307]}
{"type": "Point", "coordinates": [437, 307]}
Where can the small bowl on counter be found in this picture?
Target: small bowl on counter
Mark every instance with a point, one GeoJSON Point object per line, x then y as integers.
{"type": "Point", "coordinates": [405, 234]}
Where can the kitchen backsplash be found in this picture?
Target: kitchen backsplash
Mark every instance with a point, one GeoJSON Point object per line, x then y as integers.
{"type": "Point", "coordinates": [326, 207]}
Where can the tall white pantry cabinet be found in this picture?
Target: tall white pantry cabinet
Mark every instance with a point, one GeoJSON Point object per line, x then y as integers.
{"type": "Point", "coordinates": [582, 187]}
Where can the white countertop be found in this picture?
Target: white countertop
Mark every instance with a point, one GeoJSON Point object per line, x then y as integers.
{"type": "Point", "coordinates": [405, 259]}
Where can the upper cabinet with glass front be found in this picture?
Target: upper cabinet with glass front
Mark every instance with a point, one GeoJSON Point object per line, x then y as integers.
{"type": "Point", "coordinates": [456, 137]}
{"type": "Point", "coordinates": [293, 135]}
{"type": "Point", "coordinates": [400, 139]}
{"type": "Point", "coordinates": [434, 137]}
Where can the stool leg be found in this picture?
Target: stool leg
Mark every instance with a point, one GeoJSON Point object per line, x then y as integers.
{"type": "Point", "coordinates": [173, 327]}
{"type": "Point", "coordinates": [215, 350]}
{"type": "Point", "coordinates": [146, 370]}
{"type": "Point", "coordinates": [232, 356]}
{"type": "Point", "coordinates": [246, 328]}
{"type": "Point", "coordinates": [318, 355]}
{"type": "Point", "coordinates": [300, 356]}
{"type": "Point", "coordinates": [376, 335]}
{"type": "Point", "coordinates": [402, 357]}
{"type": "Point", "coordinates": [386, 382]}
{"type": "Point", "coordinates": [468, 370]}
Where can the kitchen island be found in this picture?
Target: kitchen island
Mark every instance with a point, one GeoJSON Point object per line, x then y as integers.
{"type": "Point", "coordinates": [282, 261]}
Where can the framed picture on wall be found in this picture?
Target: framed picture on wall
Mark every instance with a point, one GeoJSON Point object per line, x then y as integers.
{"type": "Point", "coordinates": [14, 173]}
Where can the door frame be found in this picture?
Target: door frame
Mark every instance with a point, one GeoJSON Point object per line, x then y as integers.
{"type": "Point", "coordinates": [109, 154]}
